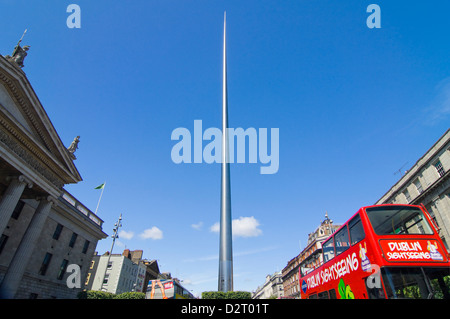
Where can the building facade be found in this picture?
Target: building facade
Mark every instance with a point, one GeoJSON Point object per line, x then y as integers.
{"type": "Point", "coordinates": [119, 273]}
{"type": "Point", "coordinates": [308, 259]}
{"type": "Point", "coordinates": [43, 228]}
{"type": "Point", "coordinates": [427, 182]}
{"type": "Point", "coordinates": [272, 288]}
{"type": "Point", "coordinates": [114, 273]}
{"type": "Point", "coordinates": [289, 276]}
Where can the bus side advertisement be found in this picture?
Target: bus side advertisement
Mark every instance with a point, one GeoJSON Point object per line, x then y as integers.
{"type": "Point", "coordinates": [332, 277]}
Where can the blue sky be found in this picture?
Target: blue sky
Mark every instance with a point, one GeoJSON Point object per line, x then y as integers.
{"type": "Point", "coordinates": [352, 105]}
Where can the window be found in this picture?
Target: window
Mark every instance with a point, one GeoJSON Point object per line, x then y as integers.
{"type": "Point", "coordinates": [439, 168]}
{"type": "Point", "coordinates": [323, 295]}
{"type": "Point", "coordinates": [375, 290]}
{"type": "Point", "coordinates": [88, 277]}
{"type": "Point", "coordinates": [73, 239]}
{"type": "Point", "coordinates": [18, 209]}
{"type": "Point", "coordinates": [45, 263]}
{"type": "Point", "coordinates": [3, 240]}
{"type": "Point", "coordinates": [356, 230]}
{"type": "Point", "coordinates": [407, 195]}
{"type": "Point", "coordinates": [328, 250]}
{"type": "Point", "coordinates": [86, 246]}
{"type": "Point", "coordinates": [398, 220]}
{"type": "Point", "coordinates": [58, 231]}
{"type": "Point", "coordinates": [433, 217]}
{"type": "Point", "coordinates": [62, 269]}
{"type": "Point", "coordinates": [416, 283]}
{"type": "Point", "coordinates": [418, 185]}
{"type": "Point", "coordinates": [332, 293]}
{"type": "Point", "coordinates": [342, 242]}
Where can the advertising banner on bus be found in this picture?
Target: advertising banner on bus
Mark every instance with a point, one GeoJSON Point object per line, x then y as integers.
{"type": "Point", "coordinates": [412, 250]}
{"type": "Point", "coordinates": [354, 262]}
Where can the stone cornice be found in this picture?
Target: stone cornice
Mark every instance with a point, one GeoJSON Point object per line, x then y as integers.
{"type": "Point", "coordinates": [40, 154]}
{"type": "Point", "coordinates": [416, 169]}
{"type": "Point", "coordinates": [18, 95]}
{"type": "Point", "coordinates": [65, 210]}
{"type": "Point", "coordinates": [18, 150]}
{"type": "Point", "coordinates": [45, 145]}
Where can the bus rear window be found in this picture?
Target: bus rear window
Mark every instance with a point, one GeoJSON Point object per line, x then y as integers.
{"type": "Point", "coordinates": [398, 220]}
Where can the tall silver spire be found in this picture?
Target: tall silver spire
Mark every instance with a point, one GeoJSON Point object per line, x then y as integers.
{"type": "Point", "coordinates": [225, 248]}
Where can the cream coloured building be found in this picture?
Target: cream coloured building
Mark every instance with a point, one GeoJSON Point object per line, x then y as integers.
{"type": "Point", "coordinates": [427, 182]}
{"type": "Point", "coordinates": [115, 274]}
{"type": "Point", "coordinates": [43, 228]}
{"type": "Point", "coordinates": [272, 287]}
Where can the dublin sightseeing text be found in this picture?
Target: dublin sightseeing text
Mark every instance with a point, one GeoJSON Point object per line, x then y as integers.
{"type": "Point", "coordinates": [343, 267]}
{"type": "Point", "coordinates": [212, 152]}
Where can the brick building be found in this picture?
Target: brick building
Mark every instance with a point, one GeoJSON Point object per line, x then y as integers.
{"type": "Point", "coordinates": [308, 259]}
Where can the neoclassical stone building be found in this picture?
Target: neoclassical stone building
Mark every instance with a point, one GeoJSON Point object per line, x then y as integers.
{"type": "Point", "coordinates": [43, 228]}
{"type": "Point", "coordinates": [427, 182]}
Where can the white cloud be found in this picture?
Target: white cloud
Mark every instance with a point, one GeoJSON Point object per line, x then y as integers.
{"type": "Point", "coordinates": [246, 227]}
{"type": "Point", "coordinates": [242, 227]}
{"type": "Point", "coordinates": [439, 108]}
{"type": "Point", "coordinates": [120, 244]}
{"type": "Point", "coordinates": [152, 233]}
{"type": "Point", "coordinates": [215, 228]}
{"type": "Point", "coordinates": [197, 226]}
{"type": "Point", "coordinates": [126, 234]}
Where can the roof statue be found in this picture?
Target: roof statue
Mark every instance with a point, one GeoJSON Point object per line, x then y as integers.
{"type": "Point", "coordinates": [19, 53]}
{"type": "Point", "coordinates": [73, 147]}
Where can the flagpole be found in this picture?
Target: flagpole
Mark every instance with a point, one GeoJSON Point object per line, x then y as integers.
{"type": "Point", "coordinates": [104, 185]}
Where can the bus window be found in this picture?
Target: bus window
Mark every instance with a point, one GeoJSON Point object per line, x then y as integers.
{"type": "Point", "coordinates": [323, 295]}
{"type": "Point", "coordinates": [387, 220]}
{"type": "Point", "coordinates": [305, 270]}
{"type": "Point", "coordinates": [341, 240]}
{"type": "Point", "coordinates": [440, 282]}
{"type": "Point", "coordinates": [328, 250]}
{"type": "Point", "coordinates": [313, 296]}
{"type": "Point", "coordinates": [375, 289]}
{"type": "Point", "coordinates": [406, 283]}
{"type": "Point", "coordinates": [332, 293]}
{"type": "Point", "coordinates": [415, 283]}
{"type": "Point", "coordinates": [356, 230]}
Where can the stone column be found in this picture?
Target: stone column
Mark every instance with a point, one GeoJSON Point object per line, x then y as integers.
{"type": "Point", "coordinates": [11, 198]}
{"type": "Point", "coordinates": [16, 269]}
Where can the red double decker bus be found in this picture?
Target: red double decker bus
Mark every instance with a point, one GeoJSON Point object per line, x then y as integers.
{"type": "Point", "coordinates": [383, 251]}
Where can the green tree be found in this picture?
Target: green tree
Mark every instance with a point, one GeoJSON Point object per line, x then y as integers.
{"type": "Point", "coordinates": [130, 295]}
{"type": "Point", "coordinates": [226, 295]}
{"type": "Point", "coordinates": [93, 294]}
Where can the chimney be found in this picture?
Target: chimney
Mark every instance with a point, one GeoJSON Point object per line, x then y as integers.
{"type": "Point", "coordinates": [126, 253]}
{"type": "Point", "coordinates": [136, 256]}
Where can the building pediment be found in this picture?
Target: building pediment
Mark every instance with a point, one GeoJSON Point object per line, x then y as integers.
{"type": "Point", "coordinates": [27, 132]}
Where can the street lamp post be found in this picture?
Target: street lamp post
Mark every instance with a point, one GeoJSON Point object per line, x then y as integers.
{"type": "Point", "coordinates": [114, 237]}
